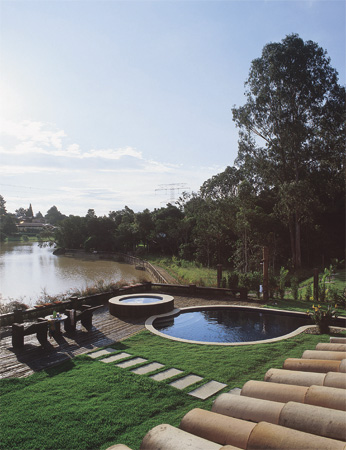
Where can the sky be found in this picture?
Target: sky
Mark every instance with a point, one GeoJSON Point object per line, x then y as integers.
{"type": "Point", "coordinates": [107, 103]}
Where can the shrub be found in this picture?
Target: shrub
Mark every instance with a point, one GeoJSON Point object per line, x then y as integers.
{"type": "Point", "coordinates": [282, 282]}
{"type": "Point", "coordinates": [11, 306]}
{"type": "Point", "coordinates": [233, 280]}
{"type": "Point", "coordinates": [295, 288]}
{"type": "Point", "coordinates": [308, 292]}
{"type": "Point", "coordinates": [251, 281]}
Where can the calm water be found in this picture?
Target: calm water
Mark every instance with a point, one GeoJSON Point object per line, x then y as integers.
{"type": "Point", "coordinates": [230, 325]}
{"type": "Point", "coordinates": [141, 300]}
{"type": "Point", "coordinates": [26, 270]}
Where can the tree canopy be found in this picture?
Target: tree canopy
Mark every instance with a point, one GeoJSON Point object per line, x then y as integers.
{"type": "Point", "coordinates": [292, 129]}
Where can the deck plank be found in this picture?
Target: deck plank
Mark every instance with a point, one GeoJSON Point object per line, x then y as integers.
{"type": "Point", "coordinates": [106, 330]}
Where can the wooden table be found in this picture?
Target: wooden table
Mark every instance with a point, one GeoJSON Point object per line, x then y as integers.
{"type": "Point", "coordinates": [54, 322]}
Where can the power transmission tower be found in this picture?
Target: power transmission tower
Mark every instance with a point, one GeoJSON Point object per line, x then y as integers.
{"type": "Point", "coordinates": [172, 188]}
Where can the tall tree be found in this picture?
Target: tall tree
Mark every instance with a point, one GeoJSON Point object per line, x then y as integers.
{"type": "Point", "coordinates": [2, 206]}
{"type": "Point", "coordinates": [290, 127]}
{"type": "Point", "coordinates": [54, 216]}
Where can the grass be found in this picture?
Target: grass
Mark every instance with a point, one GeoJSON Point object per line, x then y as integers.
{"type": "Point", "coordinates": [86, 404]}
{"type": "Point", "coordinates": [186, 272]}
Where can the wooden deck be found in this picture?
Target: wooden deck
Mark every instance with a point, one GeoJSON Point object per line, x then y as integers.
{"type": "Point", "coordinates": [106, 330]}
{"type": "Point", "coordinates": [32, 358]}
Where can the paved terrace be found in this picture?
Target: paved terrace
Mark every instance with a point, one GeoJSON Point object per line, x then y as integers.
{"type": "Point", "coordinates": [106, 330]}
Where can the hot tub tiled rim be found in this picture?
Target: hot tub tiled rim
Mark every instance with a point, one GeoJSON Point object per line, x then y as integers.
{"type": "Point", "coordinates": [149, 325]}
{"type": "Point", "coordinates": [164, 304]}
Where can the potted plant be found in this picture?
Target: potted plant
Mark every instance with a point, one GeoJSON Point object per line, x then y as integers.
{"type": "Point", "coordinates": [322, 317]}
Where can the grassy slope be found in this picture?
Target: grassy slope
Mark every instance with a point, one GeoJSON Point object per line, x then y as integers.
{"type": "Point", "coordinates": [86, 404]}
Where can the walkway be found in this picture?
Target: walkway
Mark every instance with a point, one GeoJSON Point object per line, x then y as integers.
{"type": "Point", "coordinates": [125, 360]}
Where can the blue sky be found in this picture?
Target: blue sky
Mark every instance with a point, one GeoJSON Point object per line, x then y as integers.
{"type": "Point", "coordinates": [103, 102]}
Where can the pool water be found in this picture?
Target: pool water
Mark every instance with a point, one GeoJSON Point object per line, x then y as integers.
{"type": "Point", "coordinates": [141, 300]}
{"type": "Point", "coordinates": [230, 325]}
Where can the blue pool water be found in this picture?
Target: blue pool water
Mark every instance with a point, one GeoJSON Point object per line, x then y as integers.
{"type": "Point", "coordinates": [138, 300]}
{"type": "Point", "coordinates": [230, 325]}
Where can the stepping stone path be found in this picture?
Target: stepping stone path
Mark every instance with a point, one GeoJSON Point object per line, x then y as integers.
{"type": "Point", "coordinates": [131, 362]}
{"type": "Point", "coordinates": [203, 392]}
{"type": "Point", "coordinates": [148, 368]}
{"type": "Point", "coordinates": [182, 383]}
{"type": "Point", "coordinates": [103, 352]}
{"type": "Point", "coordinates": [115, 357]}
{"type": "Point", "coordinates": [166, 374]}
{"type": "Point", "coordinates": [207, 390]}
{"type": "Point", "coordinates": [235, 391]}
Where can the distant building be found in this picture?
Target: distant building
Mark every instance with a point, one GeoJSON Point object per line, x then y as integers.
{"type": "Point", "coordinates": [33, 227]}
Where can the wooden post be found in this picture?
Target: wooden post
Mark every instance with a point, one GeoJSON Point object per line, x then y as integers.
{"type": "Point", "coordinates": [18, 316]}
{"type": "Point", "coordinates": [265, 274]}
{"type": "Point", "coordinates": [315, 285]}
{"type": "Point", "coordinates": [219, 275]}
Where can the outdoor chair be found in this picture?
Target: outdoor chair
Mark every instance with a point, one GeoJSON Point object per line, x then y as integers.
{"type": "Point", "coordinates": [85, 316]}
{"type": "Point", "coordinates": [19, 330]}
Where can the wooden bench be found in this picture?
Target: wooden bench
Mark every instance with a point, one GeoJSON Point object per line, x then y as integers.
{"type": "Point", "coordinates": [85, 316]}
{"type": "Point", "coordinates": [19, 330]}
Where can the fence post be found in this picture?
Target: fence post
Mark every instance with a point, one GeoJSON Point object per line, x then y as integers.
{"type": "Point", "coordinates": [18, 316]}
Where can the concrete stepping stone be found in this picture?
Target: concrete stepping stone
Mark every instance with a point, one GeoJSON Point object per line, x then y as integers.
{"type": "Point", "coordinates": [148, 368]}
{"type": "Point", "coordinates": [235, 391]}
{"type": "Point", "coordinates": [115, 357]}
{"type": "Point", "coordinates": [185, 381]}
{"type": "Point", "coordinates": [207, 390]}
{"type": "Point", "coordinates": [169, 373]}
{"type": "Point", "coordinates": [102, 352]}
{"type": "Point", "coordinates": [131, 362]}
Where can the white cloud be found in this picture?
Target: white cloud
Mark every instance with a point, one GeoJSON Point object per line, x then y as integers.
{"type": "Point", "coordinates": [28, 137]}
{"type": "Point", "coordinates": [28, 131]}
{"type": "Point", "coordinates": [113, 153]}
{"type": "Point", "coordinates": [74, 180]}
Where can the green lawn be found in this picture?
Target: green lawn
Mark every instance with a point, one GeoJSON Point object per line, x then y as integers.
{"type": "Point", "coordinates": [186, 272]}
{"type": "Point", "coordinates": [86, 404]}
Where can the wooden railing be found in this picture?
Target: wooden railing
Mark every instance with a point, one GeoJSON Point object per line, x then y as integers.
{"type": "Point", "coordinates": [102, 298]}
{"type": "Point", "coordinates": [156, 276]}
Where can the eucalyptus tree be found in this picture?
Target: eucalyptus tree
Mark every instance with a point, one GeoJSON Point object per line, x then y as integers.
{"type": "Point", "coordinates": [223, 185]}
{"type": "Point", "coordinates": [291, 129]}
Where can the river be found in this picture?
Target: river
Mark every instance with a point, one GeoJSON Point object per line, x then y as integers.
{"type": "Point", "coordinates": [27, 270]}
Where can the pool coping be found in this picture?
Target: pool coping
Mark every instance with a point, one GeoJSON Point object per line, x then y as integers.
{"type": "Point", "coordinates": [149, 325]}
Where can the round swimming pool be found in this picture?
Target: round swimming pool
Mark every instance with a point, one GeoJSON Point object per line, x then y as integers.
{"type": "Point", "coordinates": [227, 324]}
{"type": "Point", "coordinates": [140, 305]}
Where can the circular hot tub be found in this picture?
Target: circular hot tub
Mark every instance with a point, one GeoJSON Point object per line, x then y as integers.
{"type": "Point", "coordinates": [140, 305]}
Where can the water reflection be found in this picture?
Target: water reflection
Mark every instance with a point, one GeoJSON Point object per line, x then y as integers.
{"type": "Point", "coordinates": [26, 270]}
{"type": "Point", "coordinates": [231, 325]}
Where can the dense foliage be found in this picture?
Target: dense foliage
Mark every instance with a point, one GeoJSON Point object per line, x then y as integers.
{"type": "Point", "coordinates": [286, 189]}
